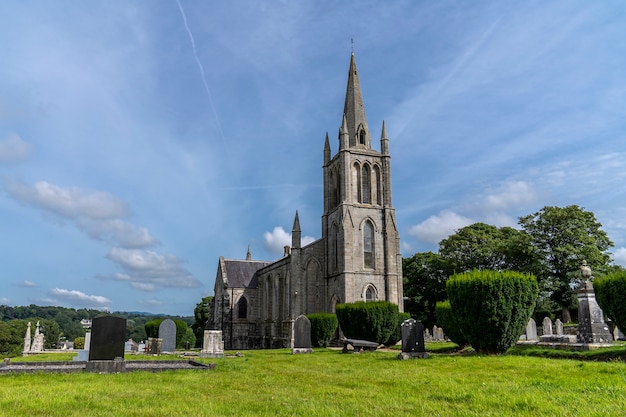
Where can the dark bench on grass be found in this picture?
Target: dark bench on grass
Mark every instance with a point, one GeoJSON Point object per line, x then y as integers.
{"type": "Point", "coordinates": [359, 345]}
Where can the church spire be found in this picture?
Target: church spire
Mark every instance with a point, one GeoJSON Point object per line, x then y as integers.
{"type": "Point", "coordinates": [354, 110]}
{"type": "Point", "coordinates": [249, 254]}
{"type": "Point", "coordinates": [296, 233]}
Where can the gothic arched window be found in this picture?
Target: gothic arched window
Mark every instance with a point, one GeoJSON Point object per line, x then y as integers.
{"type": "Point", "coordinates": [377, 186]}
{"type": "Point", "coordinates": [366, 185]}
{"type": "Point", "coordinates": [242, 308]}
{"type": "Point", "coordinates": [356, 182]}
{"type": "Point", "coordinates": [368, 245]}
{"type": "Point", "coordinates": [370, 295]}
{"type": "Point", "coordinates": [362, 137]}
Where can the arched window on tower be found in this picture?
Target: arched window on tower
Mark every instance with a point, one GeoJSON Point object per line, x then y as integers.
{"type": "Point", "coordinates": [368, 245]}
{"type": "Point", "coordinates": [242, 308]}
{"type": "Point", "coordinates": [362, 136]}
{"type": "Point", "coordinates": [366, 185]}
{"type": "Point", "coordinates": [334, 248]}
{"type": "Point", "coordinates": [356, 182]}
{"type": "Point", "coordinates": [377, 191]}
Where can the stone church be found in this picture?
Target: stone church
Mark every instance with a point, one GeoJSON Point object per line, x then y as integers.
{"type": "Point", "coordinates": [357, 258]}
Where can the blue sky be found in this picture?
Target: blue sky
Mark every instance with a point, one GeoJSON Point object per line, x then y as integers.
{"type": "Point", "coordinates": [139, 140]}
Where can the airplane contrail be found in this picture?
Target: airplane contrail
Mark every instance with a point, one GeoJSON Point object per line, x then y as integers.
{"type": "Point", "coordinates": [195, 55]}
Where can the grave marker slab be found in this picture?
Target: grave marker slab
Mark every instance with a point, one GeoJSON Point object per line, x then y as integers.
{"type": "Point", "coordinates": [301, 335]}
{"type": "Point", "coordinates": [167, 332]}
{"type": "Point", "coordinates": [531, 330]}
{"type": "Point", "coordinates": [108, 334]}
{"type": "Point", "coordinates": [412, 340]}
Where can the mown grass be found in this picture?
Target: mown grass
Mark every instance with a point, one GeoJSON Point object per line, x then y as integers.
{"type": "Point", "coordinates": [329, 383]}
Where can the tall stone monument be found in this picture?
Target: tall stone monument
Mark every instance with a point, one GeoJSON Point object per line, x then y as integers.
{"type": "Point", "coordinates": [591, 325]}
{"type": "Point", "coordinates": [38, 341]}
{"type": "Point", "coordinates": [27, 340]}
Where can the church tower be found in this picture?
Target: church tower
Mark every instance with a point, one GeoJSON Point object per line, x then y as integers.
{"type": "Point", "coordinates": [363, 259]}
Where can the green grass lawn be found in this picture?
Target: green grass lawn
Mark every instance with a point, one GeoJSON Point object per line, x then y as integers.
{"type": "Point", "coordinates": [329, 383]}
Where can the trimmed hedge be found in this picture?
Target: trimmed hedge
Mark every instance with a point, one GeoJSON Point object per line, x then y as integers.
{"type": "Point", "coordinates": [397, 335]}
{"type": "Point", "coordinates": [446, 320]}
{"type": "Point", "coordinates": [611, 296]}
{"type": "Point", "coordinates": [323, 326]}
{"type": "Point", "coordinates": [492, 308]}
{"type": "Point", "coordinates": [376, 321]}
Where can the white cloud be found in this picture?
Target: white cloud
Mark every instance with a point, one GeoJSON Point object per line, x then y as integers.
{"type": "Point", "coordinates": [620, 256]}
{"type": "Point", "coordinates": [151, 303]}
{"type": "Point", "coordinates": [510, 194]}
{"type": "Point", "coordinates": [29, 284]}
{"type": "Point", "coordinates": [146, 270]}
{"type": "Point", "coordinates": [97, 213]}
{"type": "Point", "coordinates": [440, 226]}
{"type": "Point", "coordinates": [14, 148]}
{"type": "Point", "coordinates": [276, 241]}
{"type": "Point", "coordinates": [4, 301]}
{"type": "Point", "coordinates": [79, 298]}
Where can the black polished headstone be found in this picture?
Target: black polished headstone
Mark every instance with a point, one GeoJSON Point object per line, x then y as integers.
{"type": "Point", "coordinates": [412, 336]}
{"type": "Point", "coordinates": [412, 340]}
{"type": "Point", "coordinates": [108, 334]}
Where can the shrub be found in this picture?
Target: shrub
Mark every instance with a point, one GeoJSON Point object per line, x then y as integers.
{"type": "Point", "coordinates": [374, 321]}
{"type": "Point", "coordinates": [397, 335]}
{"type": "Point", "coordinates": [79, 343]}
{"type": "Point", "coordinates": [446, 320]}
{"type": "Point", "coordinates": [492, 308]}
{"type": "Point", "coordinates": [610, 294]}
{"type": "Point", "coordinates": [323, 326]}
{"type": "Point", "coordinates": [152, 327]}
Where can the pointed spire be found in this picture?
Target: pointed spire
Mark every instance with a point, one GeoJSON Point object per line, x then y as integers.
{"type": "Point", "coordinates": [343, 134]}
{"type": "Point", "coordinates": [354, 110]}
{"type": "Point", "coordinates": [296, 233]}
{"type": "Point", "coordinates": [384, 141]}
{"type": "Point", "coordinates": [326, 150]}
{"type": "Point", "coordinates": [249, 254]}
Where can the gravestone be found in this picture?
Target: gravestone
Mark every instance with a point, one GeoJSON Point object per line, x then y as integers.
{"type": "Point", "coordinates": [558, 326]}
{"type": "Point", "coordinates": [591, 325]}
{"type": "Point", "coordinates": [438, 333]}
{"type": "Point", "coordinates": [301, 335]}
{"type": "Point", "coordinates": [167, 332]}
{"type": "Point", "coordinates": [617, 334]}
{"type": "Point", "coordinates": [212, 345]}
{"type": "Point", "coordinates": [107, 338]}
{"type": "Point", "coordinates": [154, 345]}
{"type": "Point", "coordinates": [547, 326]}
{"type": "Point", "coordinates": [131, 346]}
{"type": "Point", "coordinates": [412, 340]}
{"type": "Point", "coordinates": [531, 330]}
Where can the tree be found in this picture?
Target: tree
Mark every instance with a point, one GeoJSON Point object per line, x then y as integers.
{"type": "Point", "coordinates": [482, 246]}
{"type": "Point", "coordinates": [201, 315]}
{"type": "Point", "coordinates": [424, 275]}
{"type": "Point", "coordinates": [564, 237]}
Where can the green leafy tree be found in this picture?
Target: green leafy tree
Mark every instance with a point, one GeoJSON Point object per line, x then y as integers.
{"type": "Point", "coordinates": [482, 246]}
{"type": "Point", "coordinates": [563, 237]}
{"type": "Point", "coordinates": [424, 276]}
{"type": "Point", "coordinates": [188, 337]}
{"type": "Point", "coordinates": [201, 316]}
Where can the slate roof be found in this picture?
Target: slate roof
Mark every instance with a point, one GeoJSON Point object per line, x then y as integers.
{"type": "Point", "coordinates": [242, 274]}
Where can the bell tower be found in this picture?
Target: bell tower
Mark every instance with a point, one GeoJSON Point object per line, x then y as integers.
{"type": "Point", "coordinates": [362, 245]}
